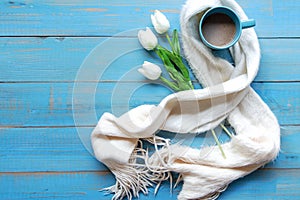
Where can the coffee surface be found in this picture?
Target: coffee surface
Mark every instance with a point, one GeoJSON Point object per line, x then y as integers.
{"type": "Point", "coordinates": [218, 29]}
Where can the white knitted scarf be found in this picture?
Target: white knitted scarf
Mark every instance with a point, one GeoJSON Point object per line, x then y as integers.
{"type": "Point", "coordinates": [117, 141]}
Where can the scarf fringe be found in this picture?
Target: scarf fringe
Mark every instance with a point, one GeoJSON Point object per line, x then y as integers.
{"type": "Point", "coordinates": [142, 171]}
{"type": "Point", "coordinates": [216, 194]}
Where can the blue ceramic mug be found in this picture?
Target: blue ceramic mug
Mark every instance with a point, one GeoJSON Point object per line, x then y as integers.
{"type": "Point", "coordinates": [220, 27]}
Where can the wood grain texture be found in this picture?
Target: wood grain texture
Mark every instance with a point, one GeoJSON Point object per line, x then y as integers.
{"type": "Point", "coordinates": [262, 184]}
{"type": "Point", "coordinates": [45, 124]}
{"type": "Point", "coordinates": [94, 18]}
{"type": "Point", "coordinates": [59, 59]}
{"type": "Point", "coordinates": [61, 150]}
{"type": "Point", "coordinates": [50, 104]}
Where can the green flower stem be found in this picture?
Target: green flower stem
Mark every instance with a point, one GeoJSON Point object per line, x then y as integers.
{"type": "Point", "coordinates": [218, 143]}
{"type": "Point", "coordinates": [172, 85]}
{"type": "Point", "coordinates": [226, 130]}
{"type": "Point", "coordinates": [169, 40]}
{"type": "Point", "coordinates": [191, 85]}
{"type": "Point", "coordinates": [183, 85]}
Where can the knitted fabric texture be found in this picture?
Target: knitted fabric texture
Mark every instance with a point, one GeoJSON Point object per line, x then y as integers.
{"type": "Point", "coordinates": [117, 141]}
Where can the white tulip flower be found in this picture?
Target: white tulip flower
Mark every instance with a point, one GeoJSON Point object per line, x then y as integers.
{"type": "Point", "coordinates": [160, 22]}
{"type": "Point", "coordinates": [147, 39]}
{"type": "Point", "coordinates": [150, 70]}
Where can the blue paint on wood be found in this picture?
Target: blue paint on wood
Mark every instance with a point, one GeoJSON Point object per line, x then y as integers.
{"type": "Point", "coordinates": [59, 59]}
{"type": "Point", "coordinates": [41, 154]}
{"type": "Point", "coordinates": [262, 184]}
{"type": "Point", "coordinates": [50, 104]}
{"type": "Point", "coordinates": [60, 149]}
{"type": "Point", "coordinates": [94, 18]}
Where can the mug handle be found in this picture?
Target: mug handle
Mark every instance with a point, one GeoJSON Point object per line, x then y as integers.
{"type": "Point", "coordinates": [248, 24]}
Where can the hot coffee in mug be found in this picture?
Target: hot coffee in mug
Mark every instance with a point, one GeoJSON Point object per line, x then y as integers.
{"type": "Point", "coordinates": [220, 27]}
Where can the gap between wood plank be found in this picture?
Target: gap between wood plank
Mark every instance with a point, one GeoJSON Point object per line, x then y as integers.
{"type": "Point", "coordinates": [87, 126]}
{"type": "Point", "coordinates": [108, 172]}
{"type": "Point", "coordinates": [56, 172]}
{"type": "Point", "coordinates": [117, 36]}
{"type": "Point", "coordinates": [128, 81]}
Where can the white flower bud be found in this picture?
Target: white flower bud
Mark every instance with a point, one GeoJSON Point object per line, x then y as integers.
{"type": "Point", "coordinates": [147, 39]}
{"type": "Point", "coordinates": [150, 70]}
{"type": "Point", "coordinates": [160, 22]}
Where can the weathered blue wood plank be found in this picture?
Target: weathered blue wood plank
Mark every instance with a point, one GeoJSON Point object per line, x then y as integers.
{"type": "Point", "coordinates": [265, 184]}
{"type": "Point", "coordinates": [45, 149]}
{"type": "Point", "coordinates": [103, 18]}
{"type": "Point", "coordinates": [262, 184]}
{"type": "Point", "coordinates": [60, 149]}
{"type": "Point", "coordinates": [59, 59]}
{"type": "Point", "coordinates": [43, 59]}
{"type": "Point", "coordinates": [37, 75]}
{"type": "Point", "coordinates": [50, 104]}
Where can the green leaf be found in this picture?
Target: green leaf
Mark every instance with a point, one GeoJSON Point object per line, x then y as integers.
{"type": "Point", "coordinates": [176, 59]}
{"type": "Point", "coordinates": [175, 43]}
{"type": "Point", "coordinates": [160, 51]}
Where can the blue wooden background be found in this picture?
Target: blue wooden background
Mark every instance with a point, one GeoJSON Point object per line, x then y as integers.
{"type": "Point", "coordinates": [43, 44]}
